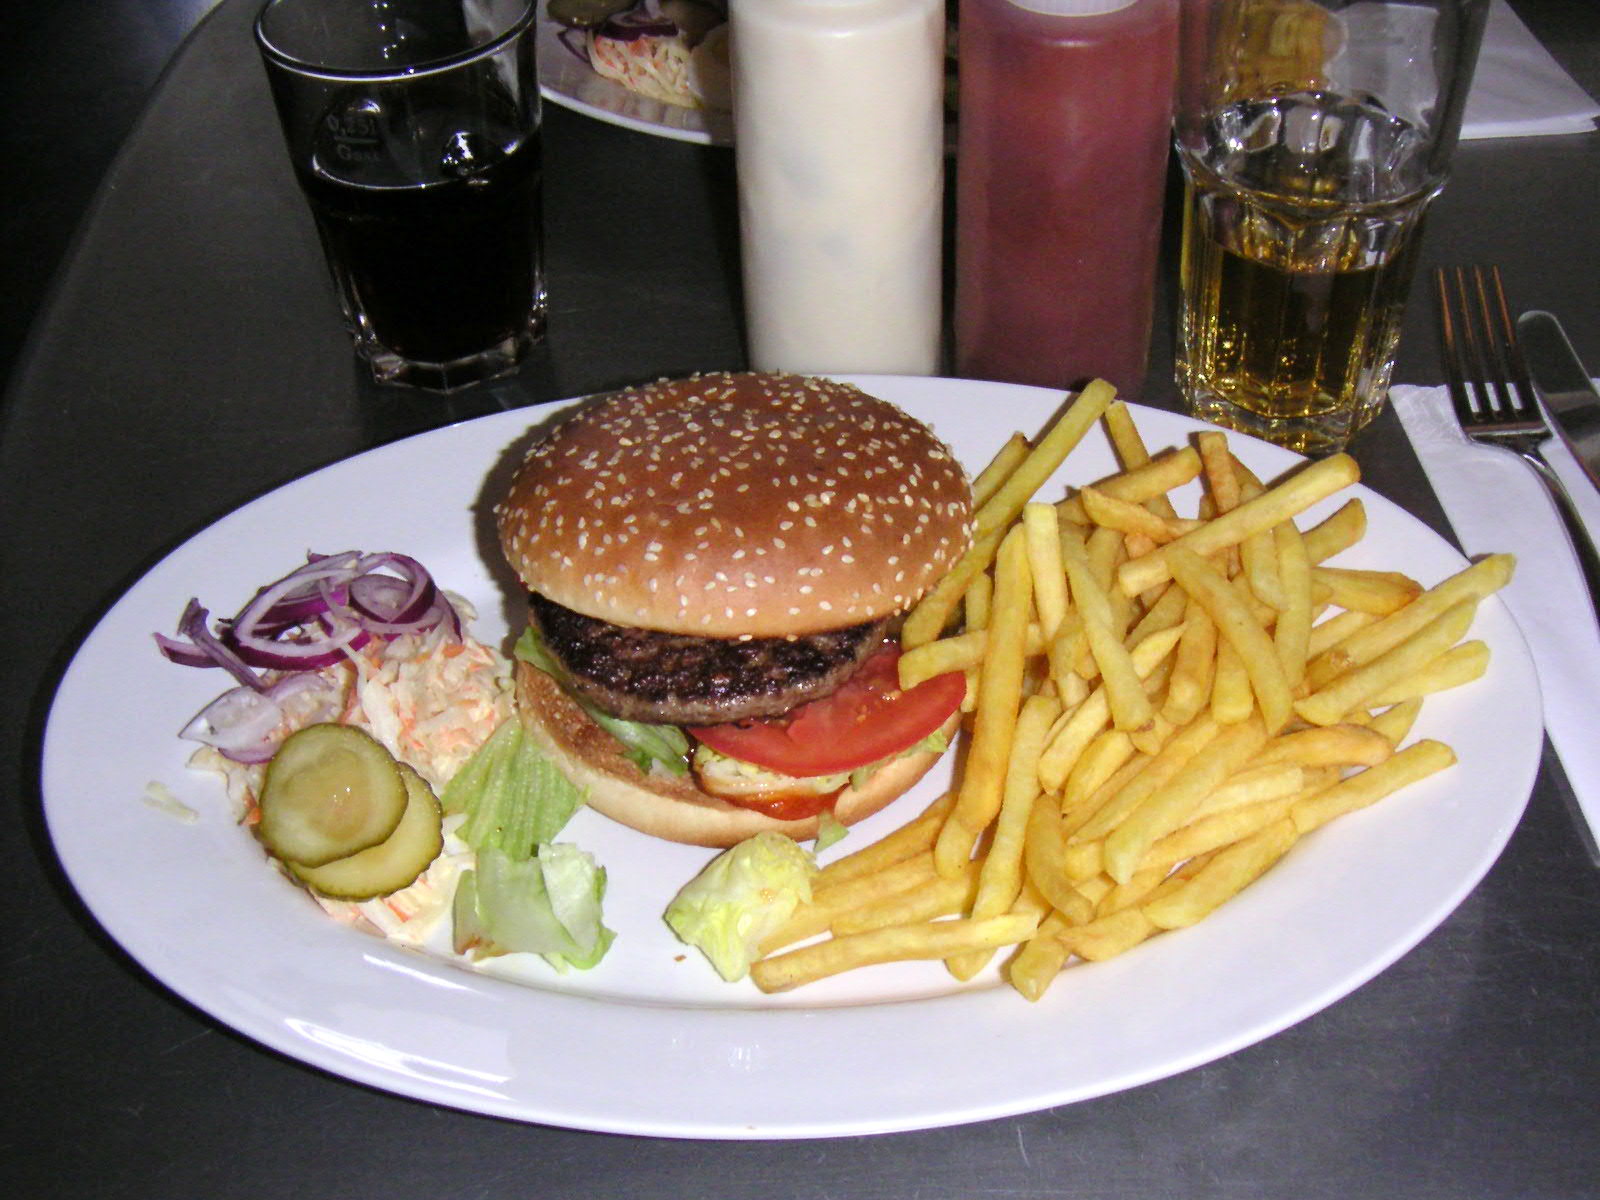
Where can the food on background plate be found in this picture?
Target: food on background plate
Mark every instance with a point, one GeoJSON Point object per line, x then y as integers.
{"type": "Point", "coordinates": [717, 566]}
{"type": "Point", "coordinates": [674, 51]}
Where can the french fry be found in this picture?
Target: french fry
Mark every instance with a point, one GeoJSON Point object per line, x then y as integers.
{"type": "Point", "coordinates": [1301, 490]}
{"type": "Point", "coordinates": [1193, 667]}
{"type": "Point", "coordinates": [1108, 936]}
{"type": "Point", "coordinates": [1126, 443]}
{"type": "Point", "coordinates": [1040, 960]}
{"type": "Point", "coordinates": [1253, 785]}
{"type": "Point", "coordinates": [908, 841]}
{"type": "Point", "coordinates": [1327, 745]}
{"type": "Point", "coordinates": [1214, 831]}
{"type": "Point", "coordinates": [1044, 859]}
{"type": "Point", "coordinates": [1416, 761]}
{"type": "Point", "coordinates": [1128, 517]}
{"type": "Point", "coordinates": [1076, 729]}
{"type": "Point", "coordinates": [1346, 527]}
{"type": "Point", "coordinates": [1042, 533]}
{"type": "Point", "coordinates": [1327, 634]}
{"type": "Point", "coordinates": [1345, 692]}
{"type": "Point", "coordinates": [1130, 895]}
{"type": "Point", "coordinates": [1172, 805]}
{"type": "Point", "coordinates": [1482, 578]}
{"type": "Point", "coordinates": [1077, 815]}
{"type": "Point", "coordinates": [1063, 653]}
{"type": "Point", "coordinates": [1130, 708]}
{"type": "Point", "coordinates": [927, 940]}
{"type": "Point", "coordinates": [1224, 877]}
{"type": "Point", "coordinates": [1232, 700]}
{"type": "Point", "coordinates": [1160, 770]}
{"type": "Point", "coordinates": [999, 699]}
{"type": "Point", "coordinates": [1461, 664]}
{"type": "Point", "coordinates": [1220, 476]}
{"type": "Point", "coordinates": [1120, 782]}
{"type": "Point", "coordinates": [1395, 723]}
{"type": "Point", "coordinates": [926, 902]}
{"type": "Point", "coordinates": [1001, 467]}
{"type": "Point", "coordinates": [1291, 633]}
{"type": "Point", "coordinates": [827, 903]}
{"type": "Point", "coordinates": [958, 652]}
{"type": "Point", "coordinates": [1000, 878]}
{"type": "Point", "coordinates": [1007, 502]}
{"type": "Point", "coordinates": [976, 602]}
{"type": "Point", "coordinates": [1156, 478]}
{"type": "Point", "coordinates": [928, 618]}
{"type": "Point", "coordinates": [1376, 592]}
{"type": "Point", "coordinates": [1257, 555]}
{"type": "Point", "coordinates": [1237, 627]}
{"type": "Point", "coordinates": [1166, 611]}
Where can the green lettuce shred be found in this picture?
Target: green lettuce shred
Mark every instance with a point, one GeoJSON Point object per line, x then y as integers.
{"type": "Point", "coordinates": [527, 892]}
{"type": "Point", "coordinates": [830, 831]}
{"type": "Point", "coordinates": [514, 797]}
{"type": "Point", "coordinates": [935, 743]}
{"type": "Point", "coordinates": [642, 743]}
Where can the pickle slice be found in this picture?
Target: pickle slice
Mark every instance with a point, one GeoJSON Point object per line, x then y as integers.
{"type": "Point", "coordinates": [330, 792]}
{"type": "Point", "coordinates": [393, 863]}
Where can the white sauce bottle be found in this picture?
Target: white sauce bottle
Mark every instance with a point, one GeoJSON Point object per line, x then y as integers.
{"type": "Point", "coordinates": [839, 137]}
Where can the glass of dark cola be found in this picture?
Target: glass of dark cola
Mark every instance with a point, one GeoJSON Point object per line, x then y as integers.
{"type": "Point", "coordinates": [413, 128]}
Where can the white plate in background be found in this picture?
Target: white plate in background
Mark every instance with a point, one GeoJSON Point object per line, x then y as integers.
{"type": "Point", "coordinates": [568, 80]}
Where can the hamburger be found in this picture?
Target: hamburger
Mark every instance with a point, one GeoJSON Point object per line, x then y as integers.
{"type": "Point", "coordinates": [717, 567]}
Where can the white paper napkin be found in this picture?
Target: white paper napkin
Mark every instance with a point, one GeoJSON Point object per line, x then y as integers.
{"type": "Point", "coordinates": [1495, 502]}
{"type": "Point", "coordinates": [1518, 89]}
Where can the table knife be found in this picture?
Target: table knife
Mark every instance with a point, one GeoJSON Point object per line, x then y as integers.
{"type": "Point", "coordinates": [1564, 386]}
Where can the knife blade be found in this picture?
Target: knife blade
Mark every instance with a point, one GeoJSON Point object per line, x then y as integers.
{"type": "Point", "coordinates": [1564, 386]}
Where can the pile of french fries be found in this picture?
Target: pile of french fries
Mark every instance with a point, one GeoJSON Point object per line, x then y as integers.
{"type": "Point", "coordinates": [1159, 707]}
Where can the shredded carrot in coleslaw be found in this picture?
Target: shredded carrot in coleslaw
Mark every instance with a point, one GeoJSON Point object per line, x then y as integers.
{"type": "Point", "coordinates": [432, 700]}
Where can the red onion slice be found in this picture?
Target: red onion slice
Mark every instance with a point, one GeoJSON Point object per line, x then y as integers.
{"type": "Point", "coordinates": [315, 615]}
{"type": "Point", "coordinates": [241, 722]}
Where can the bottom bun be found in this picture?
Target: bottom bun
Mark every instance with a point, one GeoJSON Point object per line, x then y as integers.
{"type": "Point", "coordinates": [670, 806]}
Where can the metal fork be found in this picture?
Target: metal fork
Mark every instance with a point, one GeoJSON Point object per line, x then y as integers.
{"type": "Point", "coordinates": [1492, 394]}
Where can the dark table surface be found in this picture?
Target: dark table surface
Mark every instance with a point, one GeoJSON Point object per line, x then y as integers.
{"type": "Point", "coordinates": [188, 357]}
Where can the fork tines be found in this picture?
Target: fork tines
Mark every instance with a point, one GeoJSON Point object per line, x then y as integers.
{"type": "Point", "coordinates": [1488, 380]}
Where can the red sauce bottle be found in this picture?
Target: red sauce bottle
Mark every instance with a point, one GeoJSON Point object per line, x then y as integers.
{"type": "Point", "coordinates": [1065, 120]}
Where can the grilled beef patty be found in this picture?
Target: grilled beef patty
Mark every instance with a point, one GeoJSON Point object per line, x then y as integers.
{"type": "Point", "coordinates": [676, 679]}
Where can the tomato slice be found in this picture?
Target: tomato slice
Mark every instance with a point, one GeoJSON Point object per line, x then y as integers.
{"type": "Point", "coordinates": [866, 720]}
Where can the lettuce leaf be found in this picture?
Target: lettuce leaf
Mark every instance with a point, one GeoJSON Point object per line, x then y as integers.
{"type": "Point", "coordinates": [642, 743]}
{"type": "Point", "coordinates": [548, 905]}
{"type": "Point", "coordinates": [514, 797]}
{"type": "Point", "coordinates": [526, 892]}
{"type": "Point", "coordinates": [740, 897]}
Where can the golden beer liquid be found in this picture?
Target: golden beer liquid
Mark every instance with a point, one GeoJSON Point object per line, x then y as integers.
{"type": "Point", "coordinates": [1292, 302]}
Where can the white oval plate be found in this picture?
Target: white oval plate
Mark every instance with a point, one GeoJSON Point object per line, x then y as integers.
{"type": "Point", "coordinates": [569, 81]}
{"type": "Point", "coordinates": [651, 1042]}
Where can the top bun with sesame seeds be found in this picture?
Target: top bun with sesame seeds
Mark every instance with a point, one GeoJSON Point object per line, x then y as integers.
{"type": "Point", "coordinates": [717, 567]}
{"type": "Point", "coordinates": [749, 505]}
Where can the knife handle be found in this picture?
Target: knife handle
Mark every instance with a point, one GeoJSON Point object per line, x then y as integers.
{"type": "Point", "coordinates": [1582, 546]}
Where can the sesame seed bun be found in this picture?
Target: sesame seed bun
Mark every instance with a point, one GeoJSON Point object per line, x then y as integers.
{"type": "Point", "coordinates": [670, 806]}
{"type": "Point", "coordinates": [748, 505]}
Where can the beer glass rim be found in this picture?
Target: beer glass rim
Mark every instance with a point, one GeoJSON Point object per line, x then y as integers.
{"type": "Point", "coordinates": [284, 59]}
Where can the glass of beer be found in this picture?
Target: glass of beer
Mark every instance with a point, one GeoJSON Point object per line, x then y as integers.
{"type": "Point", "coordinates": [413, 128]}
{"type": "Point", "coordinates": [1313, 135]}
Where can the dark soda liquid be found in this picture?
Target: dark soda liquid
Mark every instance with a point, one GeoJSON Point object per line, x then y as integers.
{"type": "Point", "coordinates": [437, 271]}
